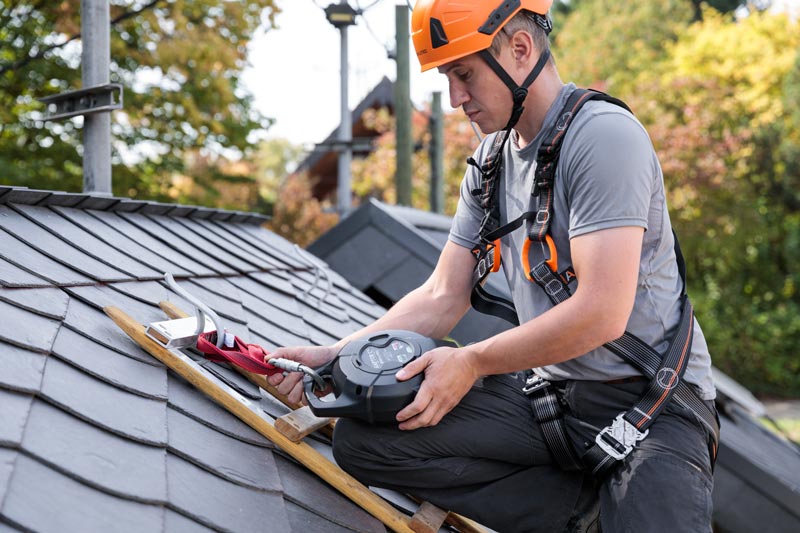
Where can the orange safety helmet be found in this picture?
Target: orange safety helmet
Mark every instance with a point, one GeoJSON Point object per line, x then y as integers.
{"type": "Point", "coordinates": [446, 30]}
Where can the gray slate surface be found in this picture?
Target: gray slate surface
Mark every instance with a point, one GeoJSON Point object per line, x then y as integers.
{"type": "Point", "coordinates": [386, 251]}
{"type": "Point", "coordinates": [97, 435]}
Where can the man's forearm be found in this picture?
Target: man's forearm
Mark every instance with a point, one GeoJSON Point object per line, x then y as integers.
{"type": "Point", "coordinates": [421, 310]}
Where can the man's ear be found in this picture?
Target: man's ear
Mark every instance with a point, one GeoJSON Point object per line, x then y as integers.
{"type": "Point", "coordinates": [522, 46]}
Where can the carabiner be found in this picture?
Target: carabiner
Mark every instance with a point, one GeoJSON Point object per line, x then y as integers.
{"type": "Point", "coordinates": [495, 247]}
{"type": "Point", "coordinates": [551, 262]}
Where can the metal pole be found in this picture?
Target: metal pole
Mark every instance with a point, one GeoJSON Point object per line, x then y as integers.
{"type": "Point", "coordinates": [95, 62]}
{"type": "Point", "coordinates": [437, 154]}
{"type": "Point", "coordinates": [345, 130]}
{"type": "Point", "coordinates": [402, 104]}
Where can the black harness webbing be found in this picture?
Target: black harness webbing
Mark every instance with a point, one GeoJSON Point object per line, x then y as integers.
{"type": "Point", "coordinates": [665, 373]}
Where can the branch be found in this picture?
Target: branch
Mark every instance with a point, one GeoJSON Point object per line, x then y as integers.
{"type": "Point", "coordinates": [124, 16]}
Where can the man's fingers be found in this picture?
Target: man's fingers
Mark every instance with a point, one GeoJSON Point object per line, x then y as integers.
{"type": "Point", "coordinates": [417, 366]}
{"type": "Point", "coordinates": [420, 403]}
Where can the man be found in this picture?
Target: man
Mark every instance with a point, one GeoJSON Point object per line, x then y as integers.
{"type": "Point", "coordinates": [472, 440]}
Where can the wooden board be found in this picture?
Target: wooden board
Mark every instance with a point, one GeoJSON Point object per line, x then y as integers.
{"type": "Point", "coordinates": [295, 426]}
{"type": "Point", "coordinates": [251, 414]}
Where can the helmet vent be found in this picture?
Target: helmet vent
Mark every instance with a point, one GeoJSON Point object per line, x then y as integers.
{"type": "Point", "coordinates": [499, 16]}
{"type": "Point", "coordinates": [438, 36]}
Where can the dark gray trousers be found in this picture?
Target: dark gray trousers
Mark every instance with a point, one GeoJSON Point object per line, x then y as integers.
{"type": "Point", "coordinates": [488, 461]}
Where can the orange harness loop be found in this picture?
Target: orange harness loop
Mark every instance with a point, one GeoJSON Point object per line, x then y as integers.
{"type": "Point", "coordinates": [552, 262]}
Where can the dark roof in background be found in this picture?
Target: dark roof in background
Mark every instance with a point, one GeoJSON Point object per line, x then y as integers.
{"type": "Point", "coordinates": [97, 435]}
{"type": "Point", "coordinates": [386, 251]}
{"type": "Point", "coordinates": [322, 163]}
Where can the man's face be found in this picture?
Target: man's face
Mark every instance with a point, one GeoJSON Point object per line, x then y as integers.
{"type": "Point", "coordinates": [479, 92]}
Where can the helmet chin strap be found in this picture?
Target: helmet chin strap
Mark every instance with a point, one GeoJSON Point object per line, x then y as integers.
{"type": "Point", "coordinates": [518, 92]}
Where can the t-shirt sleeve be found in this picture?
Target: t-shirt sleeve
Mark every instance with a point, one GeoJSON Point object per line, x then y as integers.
{"type": "Point", "coordinates": [469, 213]}
{"type": "Point", "coordinates": [609, 168]}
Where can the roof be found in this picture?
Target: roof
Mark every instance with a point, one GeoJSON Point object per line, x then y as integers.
{"type": "Point", "coordinates": [397, 248]}
{"type": "Point", "coordinates": [97, 435]}
{"type": "Point", "coordinates": [322, 163]}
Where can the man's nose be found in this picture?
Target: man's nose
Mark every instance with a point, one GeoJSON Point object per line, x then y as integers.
{"type": "Point", "coordinates": [458, 96]}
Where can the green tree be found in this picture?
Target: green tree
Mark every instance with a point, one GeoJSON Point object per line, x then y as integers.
{"type": "Point", "coordinates": [721, 109]}
{"type": "Point", "coordinates": [374, 175]}
{"type": "Point", "coordinates": [180, 63]}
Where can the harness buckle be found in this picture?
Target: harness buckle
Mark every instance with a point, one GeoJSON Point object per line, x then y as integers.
{"type": "Point", "coordinates": [618, 439]}
{"type": "Point", "coordinates": [533, 384]}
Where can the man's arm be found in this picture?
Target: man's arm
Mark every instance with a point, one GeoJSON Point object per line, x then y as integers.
{"type": "Point", "coordinates": [607, 265]}
{"type": "Point", "coordinates": [432, 309]}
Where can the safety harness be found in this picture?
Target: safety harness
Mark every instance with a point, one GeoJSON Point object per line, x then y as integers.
{"type": "Point", "coordinates": [616, 441]}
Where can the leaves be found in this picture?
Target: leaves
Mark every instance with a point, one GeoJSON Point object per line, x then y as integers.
{"type": "Point", "coordinates": [180, 62]}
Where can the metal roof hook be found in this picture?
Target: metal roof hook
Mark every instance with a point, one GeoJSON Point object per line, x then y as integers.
{"type": "Point", "coordinates": [311, 261]}
{"type": "Point", "coordinates": [201, 311]}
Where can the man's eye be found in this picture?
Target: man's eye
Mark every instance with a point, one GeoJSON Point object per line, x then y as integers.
{"type": "Point", "coordinates": [463, 76]}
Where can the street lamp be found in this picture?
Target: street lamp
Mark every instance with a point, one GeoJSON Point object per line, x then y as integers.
{"type": "Point", "coordinates": [342, 15]}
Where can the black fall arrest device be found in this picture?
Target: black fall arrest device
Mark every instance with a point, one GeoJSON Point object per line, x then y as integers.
{"type": "Point", "coordinates": [362, 377]}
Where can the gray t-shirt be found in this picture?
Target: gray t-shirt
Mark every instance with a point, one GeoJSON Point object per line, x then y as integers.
{"type": "Point", "coordinates": [608, 175]}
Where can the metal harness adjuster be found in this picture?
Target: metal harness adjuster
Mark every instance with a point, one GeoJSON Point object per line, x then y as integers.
{"type": "Point", "coordinates": [618, 439]}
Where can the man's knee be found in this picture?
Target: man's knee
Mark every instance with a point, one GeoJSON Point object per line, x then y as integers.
{"type": "Point", "coordinates": [651, 490]}
{"type": "Point", "coordinates": [347, 446]}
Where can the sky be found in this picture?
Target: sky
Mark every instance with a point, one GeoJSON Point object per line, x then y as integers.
{"type": "Point", "coordinates": [294, 70]}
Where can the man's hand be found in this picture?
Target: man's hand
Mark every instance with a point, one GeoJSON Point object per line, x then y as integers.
{"type": "Point", "coordinates": [448, 377]}
{"type": "Point", "coordinates": [291, 385]}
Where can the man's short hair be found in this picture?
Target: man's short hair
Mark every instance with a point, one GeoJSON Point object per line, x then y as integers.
{"type": "Point", "coordinates": [523, 21]}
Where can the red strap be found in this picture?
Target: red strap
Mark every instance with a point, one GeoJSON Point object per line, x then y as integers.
{"type": "Point", "coordinates": [247, 356]}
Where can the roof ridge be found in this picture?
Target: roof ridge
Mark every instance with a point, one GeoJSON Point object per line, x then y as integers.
{"type": "Point", "coordinates": [101, 202]}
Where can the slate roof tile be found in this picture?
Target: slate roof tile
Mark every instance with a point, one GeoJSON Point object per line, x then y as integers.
{"type": "Point", "coordinates": [173, 255]}
{"type": "Point", "coordinates": [221, 504]}
{"type": "Point", "coordinates": [44, 500]}
{"type": "Point", "coordinates": [100, 296]}
{"type": "Point", "coordinates": [269, 289]}
{"type": "Point", "coordinates": [226, 245]}
{"type": "Point", "coordinates": [110, 366]}
{"type": "Point", "coordinates": [186, 399]}
{"type": "Point", "coordinates": [27, 329]}
{"type": "Point", "coordinates": [151, 292]}
{"type": "Point", "coordinates": [128, 415]}
{"type": "Point", "coordinates": [14, 409]}
{"type": "Point", "coordinates": [13, 276]}
{"type": "Point", "coordinates": [270, 319]}
{"type": "Point", "coordinates": [226, 302]}
{"type": "Point", "coordinates": [7, 460]}
{"type": "Point", "coordinates": [63, 199]}
{"type": "Point", "coordinates": [98, 202]}
{"type": "Point", "coordinates": [270, 335]}
{"type": "Point", "coordinates": [177, 523]}
{"type": "Point", "coordinates": [86, 242]}
{"type": "Point", "coordinates": [231, 459]}
{"type": "Point", "coordinates": [303, 488]}
{"type": "Point", "coordinates": [24, 195]}
{"type": "Point", "coordinates": [271, 244]}
{"type": "Point", "coordinates": [52, 246]}
{"type": "Point", "coordinates": [121, 241]}
{"type": "Point", "coordinates": [46, 301]}
{"type": "Point", "coordinates": [93, 323]}
{"type": "Point", "coordinates": [308, 522]}
{"type": "Point", "coordinates": [96, 457]}
{"type": "Point", "coordinates": [265, 261]}
{"type": "Point", "coordinates": [32, 261]}
{"type": "Point", "coordinates": [21, 369]}
{"type": "Point", "coordinates": [172, 234]}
